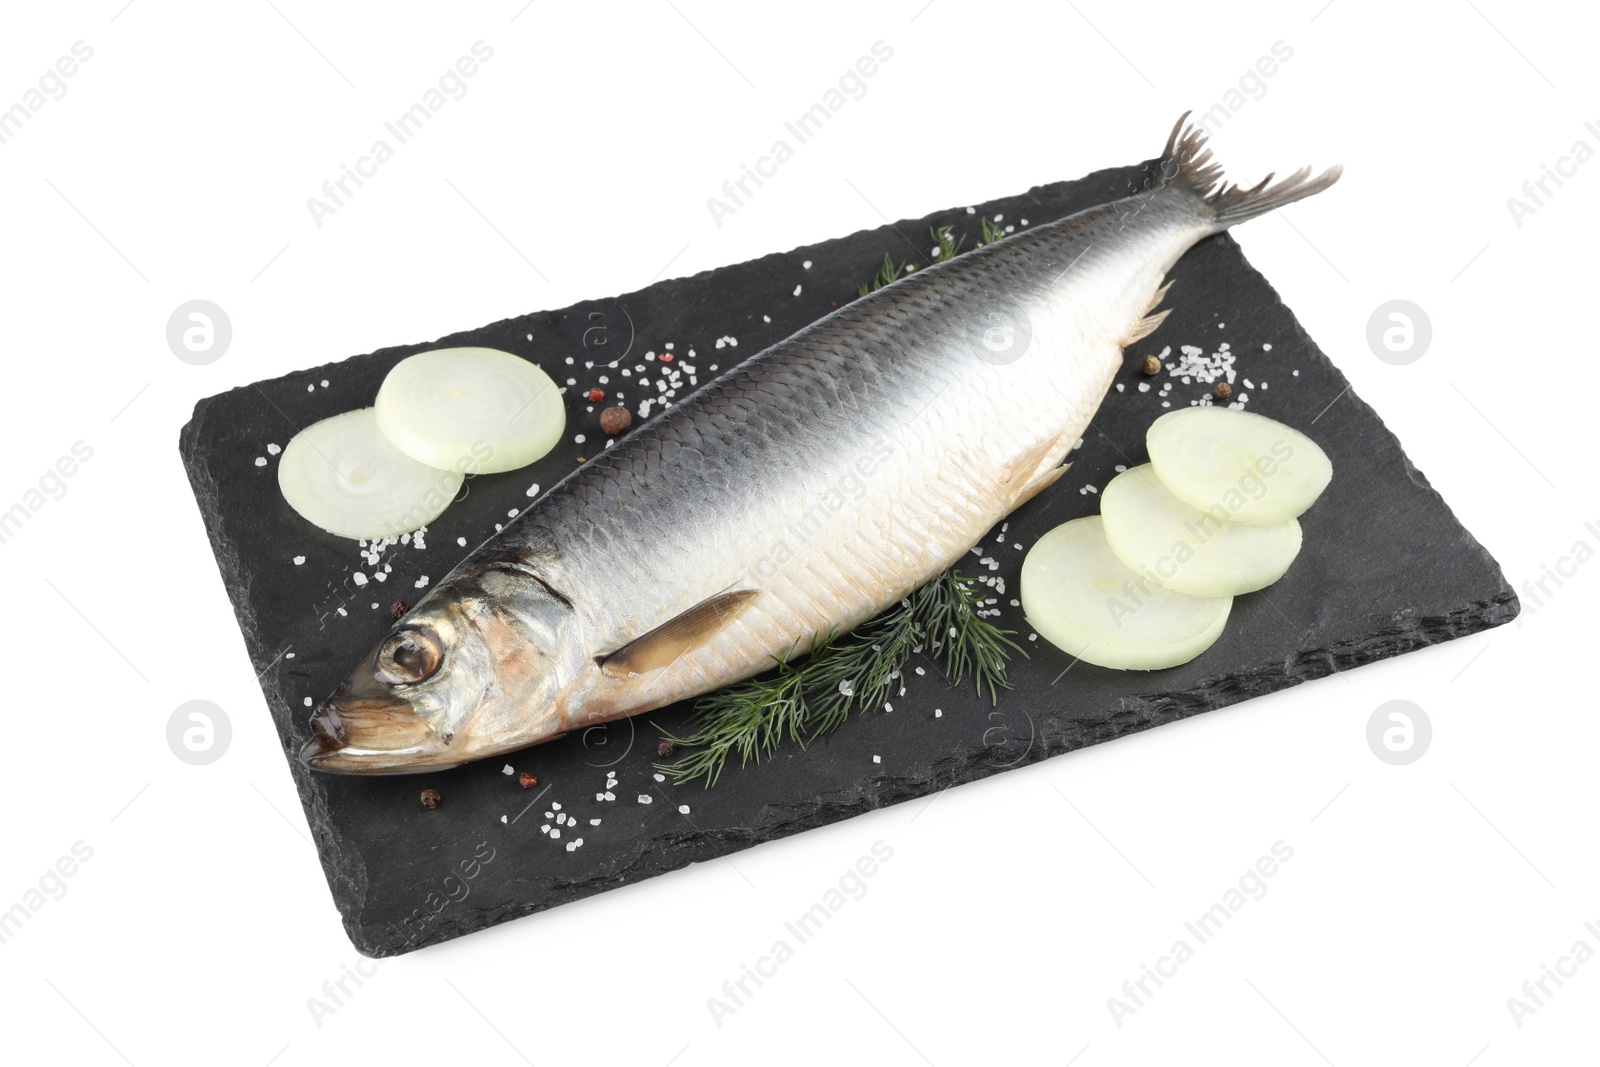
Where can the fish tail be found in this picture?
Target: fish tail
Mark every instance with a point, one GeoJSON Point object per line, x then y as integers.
{"type": "Point", "coordinates": [1186, 167]}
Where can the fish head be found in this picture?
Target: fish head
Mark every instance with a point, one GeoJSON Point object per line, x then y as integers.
{"type": "Point", "coordinates": [481, 665]}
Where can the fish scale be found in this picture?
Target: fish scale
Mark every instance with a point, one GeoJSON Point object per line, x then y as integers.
{"type": "Point", "coordinates": [800, 493]}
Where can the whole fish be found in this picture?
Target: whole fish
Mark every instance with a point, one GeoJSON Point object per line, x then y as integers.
{"type": "Point", "coordinates": [797, 495]}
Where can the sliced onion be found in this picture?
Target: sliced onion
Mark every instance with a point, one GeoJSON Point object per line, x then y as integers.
{"type": "Point", "coordinates": [1237, 465]}
{"type": "Point", "coordinates": [344, 475]}
{"type": "Point", "coordinates": [1084, 600]}
{"type": "Point", "coordinates": [476, 410]}
{"type": "Point", "coordinates": [1185, 549]}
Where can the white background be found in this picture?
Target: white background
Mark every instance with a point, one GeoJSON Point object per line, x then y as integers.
{"type": "Point", "coordinates": [177, 166]}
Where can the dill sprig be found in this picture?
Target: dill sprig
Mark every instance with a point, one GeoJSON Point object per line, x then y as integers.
{"type": "Point", "coordinates": [840, 676]}
{"type": "Point", "coordinates": [991, 231]}
{"type": "Point", "coordinates": [949, 244]}
{"type": "Point", "coordinates": [886, 274]}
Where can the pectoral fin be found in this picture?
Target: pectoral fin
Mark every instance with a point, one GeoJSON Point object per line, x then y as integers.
{"type": "Point", "coordinates": [678, 635]}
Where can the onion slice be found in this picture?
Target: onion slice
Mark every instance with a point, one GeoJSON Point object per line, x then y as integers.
{"type": "Point", "coordinates": [1185, 549]}
{"type": "Point", "coordinates": [1084, 600]}
{"type": "Point", "coordinates": [344, 475]}
{"type": "Point", "coordinates": [1237, 465]}
{"type": "Point", "coordinates": [475, 410]}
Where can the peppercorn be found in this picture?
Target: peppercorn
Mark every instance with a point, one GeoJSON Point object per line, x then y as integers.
{"type": "Point", "coordinates": [431, 798]}
{"type": "Point", "coordinates": [1223, 391]}
{"type": "Point", "coordinates": [1151, 366]}
{"type": "Point", "coordinates": [615, 421]}
{"type": "Point", "coordinates": [596, 395]}
{"type": "Point", "coordinates": [666, 357]}
{"type": "Point", "coordinates": [665, 749]}
{"type": "Point", "coordinates": [398, 609]}
{"type": "Point", "coordinates": [527, 781]}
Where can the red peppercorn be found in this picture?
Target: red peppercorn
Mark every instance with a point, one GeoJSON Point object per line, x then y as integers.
{"type": "Point", "coordinates": [398, 609]}
{"type": "Point", "coordinates": [527, 781]}
{"type": "Point", "coordinates": [666, 357]}
{"type": "Point", "coordinates": [665, 749]}
{"type": "Point", "coordinates": [431, 798]}
{"type": "Point", "coordinates": [597, 395]}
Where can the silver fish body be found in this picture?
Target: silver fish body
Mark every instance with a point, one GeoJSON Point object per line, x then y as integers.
{"type": "Point", "coordinates": [797, 495]}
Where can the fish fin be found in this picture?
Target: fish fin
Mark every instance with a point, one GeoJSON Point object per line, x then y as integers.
{"type": "Point", "coordinates": [1044, 457]}
{"type": "Point", "coordinates": [1146, 326]}
{"type": "Point", "coordinates": [1161, 295]}
{"type": "Point", "coordinates": [1039, 483]}
{"type": "Point", "coordinates": [691, 629]}
{"type": "Point", "coordinates": [1186, 167]}
{"type": "Point", "coordinates": [1038, 470]}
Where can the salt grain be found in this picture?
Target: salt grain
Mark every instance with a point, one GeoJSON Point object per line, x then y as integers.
{"type": "Point", "coordinates": [645, 798]}
{"type": "Point", "coordinates": [507, 769]}
{"type": "Point", "coordinates": [301, 559]}
{"type": "Point", "coordinates": [261, 461]}
{"type": "Point", "coordinates": [683, 809]}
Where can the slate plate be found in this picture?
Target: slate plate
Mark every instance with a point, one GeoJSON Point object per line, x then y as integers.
{"type": "Point", "coordinates": [1386, 568]}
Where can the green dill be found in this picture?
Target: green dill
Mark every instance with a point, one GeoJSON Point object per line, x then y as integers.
{"type": "Point", "coordinates": [886, 274]}
{"type": "Point", "coordinates": [840, 676]}
{"type": "Point", "coordinates": [949, 244]}
{"type": "Point", "coordinates": [991, 232]}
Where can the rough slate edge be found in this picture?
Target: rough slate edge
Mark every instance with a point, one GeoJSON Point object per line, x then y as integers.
{"type": "Point", "coordinates": [671, 851]}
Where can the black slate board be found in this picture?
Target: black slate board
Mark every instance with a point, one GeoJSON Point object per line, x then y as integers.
{"type": "Point", "coordinates": [1386, 569]}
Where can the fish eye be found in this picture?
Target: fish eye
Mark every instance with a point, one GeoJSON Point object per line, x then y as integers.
{"type": "Point", "coordinates": [409, 656]}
